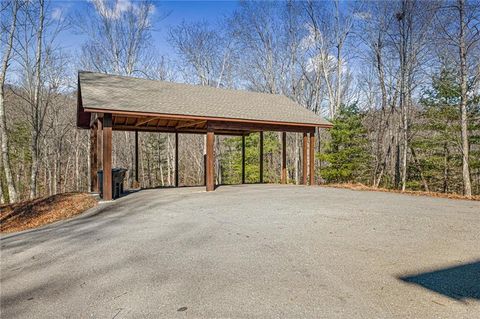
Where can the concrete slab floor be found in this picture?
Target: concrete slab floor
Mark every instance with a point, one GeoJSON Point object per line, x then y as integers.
{"type": "Point", "coordinates": [251, 251]}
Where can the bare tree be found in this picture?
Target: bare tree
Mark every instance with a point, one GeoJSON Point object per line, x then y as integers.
{"type": "Point", "coordinates": [35, 102]}
{"type": "Point", "coordinates": [36, 51]}
{"type": "Point", "coordinates": [7, 50]}
{"type": "Point", "coordinates": [118, 36]}
{"type": "Point", "coordinates": [119, 42]}
{"type": "Point", "coordinates": [468, 36]}
{"type": "Point", "coordinates": [303, 50]}
{"type": "Point", "coordinates": [374, 28]}
{"type": "Point", "coordinates": [205, 51]}
{"type": "Point", "coordinates": [207, 56]}
{"type": "Point", "coordinates": [329, 32]}
{"type": "Point", "coordinates": [459, 22]}
{"type": "Point", "coordinates": [256, 29]}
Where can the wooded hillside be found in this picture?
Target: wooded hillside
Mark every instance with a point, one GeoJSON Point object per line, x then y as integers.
{"type": "Point", "coordinates": [399, 79]}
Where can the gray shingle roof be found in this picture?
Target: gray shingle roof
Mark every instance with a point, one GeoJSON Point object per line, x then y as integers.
{"type": "Point", "coordinates": [119, 93]}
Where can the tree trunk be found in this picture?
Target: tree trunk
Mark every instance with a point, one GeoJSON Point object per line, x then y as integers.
{"type": "Point", "coordinates": [445, 168]}
{"type": "Point", "coordinates": [404, 33]}
{"type": "Point", "coordinates": [36, 105]}
{"type": "Point", "coordinates": [467, 187]}
{"type": "Point", "coordinates": [2, 200]}
{"type": "Point", "coordinates": [417, 164]}
{"type": "Point", "coordinates": [77, 159]}
{"type": "Point", "coordinates": [397, 163]}
{"type": "Point", "coordinates": [55, 174]}
{"type": "Point", "coordinates": [297, 160]}
{"type": "Point", "coordinates": [218, 165]}
{"type": "Point", "coordinates": [162, 179]}
{"type": "Point", "coordinates": [12, 194]}
{"type": "Point", "coordinates": [149, 170]}
{"type": "Point", "coordinates": [405, 147]}
{"type": "Point", "coordinates": [168, 153]}
{"type": "Point", "coordinates": [338, 95]}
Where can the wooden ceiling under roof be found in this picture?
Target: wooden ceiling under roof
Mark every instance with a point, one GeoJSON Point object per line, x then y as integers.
{"type": "Point", "coordinates": [122, 122]}
{"type": "Point", "coordinates": [169, 124]}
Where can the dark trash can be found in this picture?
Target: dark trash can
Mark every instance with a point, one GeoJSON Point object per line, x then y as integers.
{"type": "Point", "coordinates": [118, 175]}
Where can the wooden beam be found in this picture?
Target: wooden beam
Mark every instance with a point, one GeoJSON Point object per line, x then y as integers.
{"type": "Point", "coordinates": [312, 158]}
{"type": "Point", "coordinates": [99, 150]}
{"type": "Point", "coordinates": [284, 158]}
{"type": "Point", "coordinates": [167, 129]}
{"type": "Point", "coordinates": [93, 159]}
{"type": "Point", "coordinates": [210, 160]}
{"type": "Point", "coordinates": [145, 121]}
{"type": "Point", "coordinates": [255, 127]}
{"type": "Point", "coordinates": [176, 159]}
{"type": "Point", "coordinates": [207, 118]}
{"type": "Point", "coordinates": [136, 159]}
{"type": "Point", "coordinates": [243, 159]}
{"type": "Point", "coordinates": [261, 157]}
{"type": "Point", "coordinates": [190, 124]}
{"type": "Point", "coordinates": [158, 122]}
{"type": "Point", "coordinates": [305, 159]}
{"type": "Point", "coordinates": [107, 156]}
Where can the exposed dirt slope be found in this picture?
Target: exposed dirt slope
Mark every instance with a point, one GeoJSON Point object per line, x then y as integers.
{"type": "Point", "coordinates": [362, 187]}
{"type": "Point", "coordinates": [41, 211]}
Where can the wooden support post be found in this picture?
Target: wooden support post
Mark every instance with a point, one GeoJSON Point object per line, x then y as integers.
{"type": "Point", "coordinates": [305, 159]}
{"type": "Point", "coordinates": [210, 169]}
{"type": "Point", "coordinates": [205, 161]}
{"type": "Point", "coordinates": [107, 156]}
{"type": "Point", "coordinates": [205, 167]}
{"type": "Point", "coordinates": [136, 159]}
{"type": "Point", "coordinates": [99, 150]}
{"type": "Point", "coordinates": [312, 158]}
{"type": "Point", "coordinates": [93, 159]}
{"type": "Point", "coordinates": [176, 159]}
{"type": "Point", "coordinates": [243, 159]}
{"type": "Point", "coordinates": [261, 157]}
{"type": "Point", "coordinates": [284, 158]}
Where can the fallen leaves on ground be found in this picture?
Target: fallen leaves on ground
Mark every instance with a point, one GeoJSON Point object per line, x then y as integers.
{"type": "Point", "coordinates": [362, 187]}
{"type": "Point", "coordinates": [41, 211]}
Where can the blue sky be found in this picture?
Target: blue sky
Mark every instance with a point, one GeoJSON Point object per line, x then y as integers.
{"type": "Point", "coordinates": [210, 11]}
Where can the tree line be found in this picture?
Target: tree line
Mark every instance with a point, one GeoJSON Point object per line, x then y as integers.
{"type": "Point", "coordinates": [399, 79]}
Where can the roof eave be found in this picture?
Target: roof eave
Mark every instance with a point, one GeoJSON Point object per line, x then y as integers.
{"type": "Point", "coordinates": [208, 118]}
{"type": "Point", "coordinates": [83, 118]}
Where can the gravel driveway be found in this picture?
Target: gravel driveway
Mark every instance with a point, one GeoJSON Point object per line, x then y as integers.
{"type": "Point", "coordinates": [251, 251]}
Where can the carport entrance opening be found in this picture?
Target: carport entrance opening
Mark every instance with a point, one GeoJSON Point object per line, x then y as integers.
{"type": "Point", "coordinates": [108, 102]}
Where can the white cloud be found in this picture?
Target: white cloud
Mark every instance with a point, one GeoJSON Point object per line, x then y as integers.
{"type": "Point", "coordinates": [112, 12]}
{"type": "Point", "coordinates": [314, 64]}
{"type": "Point", "coordinates": [123, 5]}
{"type": "Point", "coordinates": [363, 15]}
{"type": "Point", "coordinates": [309, 40]}
{"type": "Point", "coordinates": [57, 13]}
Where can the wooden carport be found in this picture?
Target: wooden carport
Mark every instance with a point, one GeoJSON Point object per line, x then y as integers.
{"type": "Point", "coordinates": [108, 102]}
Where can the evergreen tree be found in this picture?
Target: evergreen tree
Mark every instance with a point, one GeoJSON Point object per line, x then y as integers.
{"type": "Point", "coordinates": [346, 154]}
{"type": "Point", "coordinates": [437, 137]}
{"type": "Point", "coordinates": [474, 140]}
{"type": "Point", "coordinates": [231, 160]}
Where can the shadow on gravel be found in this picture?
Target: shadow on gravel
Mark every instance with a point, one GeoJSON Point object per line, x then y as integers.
{"type": "Point", "coordinates": [457, 282]}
